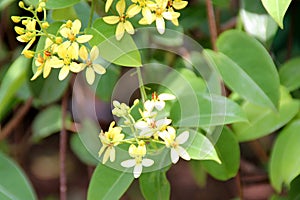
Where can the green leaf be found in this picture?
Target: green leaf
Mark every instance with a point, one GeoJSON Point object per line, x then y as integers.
{"type": "Point", "coordinates": [284, 162]}
{"type": "Point", "coordinates": [201, 109]}
{"type": "Point", "coordinates": [221, 3]}
{"type": "Point", "coordinates": [5, 3]}
{"type": "Point", "coordinates": [108, 183]}
{"type": "Point", "coordinates": [56, 4]}
{"type": "Point", "coordinates": [277, 9]}
{"type": "Point", "coordinates": [199, 174]}
{"type": "Point", "coordinates": [228, 151]}
{"type": "Point", "coordinates": [263, 121]}
{"type": "Point", "coordinates": [289, 74]}
{"type": "Point", "coordinates": [13, 183]}
{"type": "Point", "coordinates": [200, 148]}
{"type": "Point", "coordinates": [123, 52]}
{"type": "Point", "coordinates": [257, 22]}
{"type": "Point", "coordinates": [80, 150]}
{"type": "Point", "coordinates": [244, 51]}
{"type": "Point", "coordinates": [64, 13]}
{"type": "Point", "coordinates": [13, 80]}
{"type": "Point", "coordinates": [47, 122]}
{"type": "Point", "coordinates": [155, 185]}
{"type": "Point", "coordinates": [294, 189]}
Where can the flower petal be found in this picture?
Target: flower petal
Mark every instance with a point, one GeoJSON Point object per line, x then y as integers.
{"type": "Point", "coordinates": [111, 19]}
{"type": "Point", "coordinates": [141, 125]}
{"type": "Point", "coordinates": [94, 53]}
{"type": "Point", "coordinates": [37, 73]}
{"type": "Point", "coordinates": [90, 75]}
{"type": "Point", "coordinates": [128, 27]}
{"type": "Point", "coordinates": [137, 170]}
{"type": "Point", "coordinates": [121, 7]}
{"type": "Point", "coordinates": [120, 31]}
{"type": "Point", "coordinates": [47, 69]}
{"type": "Point", "coordinates": [99, 69]}
{"type": "Point", "coordinates": [166, 96]}
{"type": "Point", "coordinates": [183, 153]}
{"type": "Point", "coordinates": [55, 62]}
{"type": "Point", "coordinates": [133, 10]}
{"type": "Point", "coordinates": [183, 137]}
{"type": "Point", "coordinates": [63, 73]}
{"type": "Point", "coordinates": [84, 38]}
{"type": "Point", "coordinates": [147, 162]}
{"type": "Point", "coordinates": [106, 155]}
{"type": "Point", "coordinates": [149, 105]}
{"type": "Point", "coordinates": [147, 14]}
{"type": "Point", "coordinates": [112, 155]}
{"type": "Point", "coordinates": [179, 4]}
{"type": "Point", "coordinates": [108, 5]}
{"type": "Point", "coordinates": [101, 150]}
{"type": "Point", "coordinates": [163, 122]}
{"type": "Point", "coordinates": [83, 53]}
{"type": "Point", "coordinates": [160, 25]}
{"type": "Point", "coordinates": [174, 156]}
{"type": "Point", "coordinates": [75, 67]}
{"type": "Point", "coordinates": [128, 163]}
{"type": "Point", "coordinates": [76, 26]}
{"type": "Point", "coordinates": [159, 105]}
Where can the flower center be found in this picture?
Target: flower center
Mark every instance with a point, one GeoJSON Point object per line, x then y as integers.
{"type": "Point", "coordinates": [159, 11]}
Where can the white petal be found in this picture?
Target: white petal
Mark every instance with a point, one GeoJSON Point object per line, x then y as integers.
{"type": "Point", "coordinates": [160, 25]}
{"type": "Point", "coordinates": [183, 137]}
{"type": "Point", "coordinates": [137, 170]}
{"type": "Point", "coordinates": [163, 122]}
{"type": "Point", "coordinates": [90, 75]}
{"type": "Point", "coordinates": [159, 105]}
{"type": "Point", "coordinates": [112, 155]}
{"type": "Point", "coordinates": [149, 105]}
{"type": "Point", "coordinates": [141, 125]}
{"type": "Point", "coordinates": [147, 132]}
{"type": "Point", "coordinates": [166, 96]}
{"type": "Point", "coordinates": [174, 156]}
{"type": "Point", "coordinates": [183, 153]}
{"type": "Point", "coordinates": [128, 163]}
{"type": "Point", "coordinates": [147, 162]}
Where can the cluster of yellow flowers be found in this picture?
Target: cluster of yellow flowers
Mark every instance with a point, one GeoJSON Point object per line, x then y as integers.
{"type": "Point", "coordinates": [152, 11]}
{"type": "Point", "coordinates": [65, 50]}
{"type": "Point", "coordinates": [150, 128]}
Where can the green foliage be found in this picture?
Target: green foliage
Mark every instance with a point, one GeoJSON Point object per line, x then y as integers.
{"type": "Point", "coordinates": [13, 183]}
{"type": "Point", "coordinates": [289, 74]}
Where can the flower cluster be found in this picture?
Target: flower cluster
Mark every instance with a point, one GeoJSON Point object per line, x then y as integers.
{"type": "Point", "coordinates": [150, 128]}
{"type": "Point", "coordinates": [151, 11]}
{"type": "Point", "coordinates": [66, 49]}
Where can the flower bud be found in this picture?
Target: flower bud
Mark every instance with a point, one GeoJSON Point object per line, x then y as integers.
{"type": "Point", "coordinates": [16, 19]}
{"type": "Point", "coordinates": [19, 30]}
{"type": "Point", "coordinates": [21, 4]}
{"type": "Point", "coordinates": [28, 53]}
{"type": "Point", "coordinates": [45, 25]}
{"type": "Point", "coordinates": [69, 24]}
{"type": "Point", "coordinates": [25, 22]}
{"type": "Point", "coordinates": [136, 102]}
{"type": "Point", "coordinates": [39, 9]}
{"type": "Point", "coordinates": [58, 40]}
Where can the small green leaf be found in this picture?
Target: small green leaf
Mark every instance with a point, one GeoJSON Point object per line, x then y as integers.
{"type": "Point", "coordinates": [263, 121]}
{"type": "Point", "coordinates": [289, 74]}
{"type": "Point", "coordinates": [80, 150]}
{"type": "Point", "coordinates": [123, 52]}
{"type": "Point", "coordinates": [244, 51]}
{"type": "Point", "coordinates": [64, 13]}
{"type": "Point", "coordinates": [56, 4]}
{"type": "Point", "coordinates": [155, 185]}
{"type": "Point", "coordinates": [228, 151]}
{"type": "Point", "coordinates": [13, 80]}
{"type": "Point", "coordinates": [277, 9]}
{"type": "Point", "coordinates": [294, 189]}
{"type": "Point", "coordinates": [201, 109]}
{"type": "Point", "coordinates": [14, 185]}
{"type": "Point", "coordinates": [200, 148]}
{"type": "Point", "coordinates": [284, 162]}
{"type": "Point", "coordinates": [108, 183]}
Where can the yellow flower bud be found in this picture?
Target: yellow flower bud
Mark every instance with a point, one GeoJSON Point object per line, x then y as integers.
{"type": "Point", "coordinates": [16, 19]}
{"type": "Point", "coordinates": [39, 9]}
{"type": "Point", "coordinates": [28, 53]}
{"type": "Point", "coordinates": [21, 4]}
{"type": "Point", "coordinates": [19, 30]}
{"type": "Point", "coordinates": [45, 25]}
{"type": "Point", "coordinates": [136, 102]}
{"type": "Point", "coordinates": [25, 22]}
{"type": "Point", "coordinates": [69, 24]}
{"type": "Point", "coordinates": [58, 40]}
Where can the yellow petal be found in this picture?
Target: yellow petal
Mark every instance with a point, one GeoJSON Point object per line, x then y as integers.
{"type": "Point", "coordinates": [55, 62]}
{"type": "Point", "coordinates": [48, 43]}
{"type": "Point", "coordinates": [99, 69]}
{"type": "Point", "coordinates": [128, 27]}
{"type": "Point", "coordinates": [111, 19]}
{"type": "Point", "coordinates": [63, 73]}
{"type": "Point", "coordinates": [160, 25]}
{"type": "Point", "coordinates": [73, 51]}
{"type": "Point", "coordinates": [37, 73]}
{"type": "Point", "coordinates": [84, 38]}
{"type": "Point", "coordinates": [175, 22]}
{"type": "Point", "coordinates": [108, 4]}
{"type": "Point", "coordinates": [64, 32]}
{"type": "Point", "coordinates": [133, 10]}
{"type": "Point", "coordinates": [143, 21]}
{"type": "Point", "coordinates": [171, 15]}
{"type": "Point", "coordinates": [47, 69]}
{"type": "Point", "coordinates": [76, 26]}
{"type": "Point", "coordinates": [83, 53]}
{"type": "Point", "coordinates": [147, 14]}
{"type": "Point", "coordinates": [90, 75]}
{"type": "Point", "coordinates": [179, 4]}
{"type": "Point", "coordinates": [120, 31]}
{"type": "Point", "coordinates": [75, 67]}
{"type": "Point", "coordinates": [28, 53]}
{"type": "Point", "coordinates": [94, 53]}
{"type": "Point", "coordinates": [121, 7]}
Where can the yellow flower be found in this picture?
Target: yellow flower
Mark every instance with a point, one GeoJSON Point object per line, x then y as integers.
{"type": "Point", "coordinates": [110, 139]}
{"type": "Point", "coordinates": [123, 23]}
{"type": "Point", "coordinates": [28, 34]}
{"type": "Point", "coordinates": [108, 5]}
{"type": "Point", "coordinates": [177, 4]}
{"type": "Point", "coordinates": [70, 30]}
{"type": "Point", "coordinates": [142, 5]}
{"type": "Point", "coordinates": [67, 55]}
{"type": "Point", "coordinates": [161, 13]}
{"type": "Point", "coordinates": [91, 67]}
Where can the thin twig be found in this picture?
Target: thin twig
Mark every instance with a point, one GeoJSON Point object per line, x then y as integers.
{"type": "Point", "coordinates": [259, 151]}
{"type": "Point", "coordinates": [62, 150]}
{"type": "Point", "coordinates": [13, 123]}
{"type": "Point", "coordinates": [212, 24]}
{"type": "Point", "coordinates": [239, 185]}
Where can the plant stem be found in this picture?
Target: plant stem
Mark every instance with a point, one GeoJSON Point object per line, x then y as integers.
{"type": "Point", "coordinates": [62, 150]}
{"type": "Point", "coordinates": [141, 84]}
{"type": "Point", "coordinates": [91, 13]}
{"type": "Point", "coordinates": [212, 24]}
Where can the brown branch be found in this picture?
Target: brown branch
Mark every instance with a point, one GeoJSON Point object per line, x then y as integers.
{"type": "Point", "coordinates": [212, 24]}
{"type": "Point", "coordinates": [63, 149]}
{"type": "Point", "coordinates": [13, 123]}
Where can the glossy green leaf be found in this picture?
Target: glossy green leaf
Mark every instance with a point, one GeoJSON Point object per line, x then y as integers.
{"type": "Point", "coordinates": [155, 185]}
{"type": "Point", "coordinates": [13, 80]}
{"type": "Point", "coordinates": [108, 183]}
{"type": "Point", "coordinates": [257, 22]}
{"type": "Point", "coordinates": [277, 9]}
{"type": "Point", "coordinates": [123, 52]}
{"type": "Point", "coordinates": [245, 51]}
{"type": "Point", "coordinates": [289, 74]}
{"type": "Point", "coordinates": [80, 150]}
{"type": "Point", "coordinates": [47, 122]}
{"type": "Point", "coordinates": [263, 121]}
{"type": "Point", "coordinates": [200, 148]}
{"type": "Point", "coordinates": [55, 4]}
{"type": "Point", "coordinates": [222, 3]}
{"type": "Point", "coordinates": [64, 13]}
{"type": "Point", "coordinates": [14, 185]}
{"type": "Point", "coordinates": [201, 109]}
{"type": "Point", "coordinates": [294, 189]}
{"type": "Point", "coordinates": [228, 151]}
{"type": "Point", "coordinates": [5, 3]}
{"type": "Point", "coordinates": [284, 162]}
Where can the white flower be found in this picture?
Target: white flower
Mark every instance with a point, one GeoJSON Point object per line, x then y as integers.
{"type": "Point", "coordinates": [158, 101]}
{"type": "Point", "coordinates": [138, 162]}
{"type": "Point", "coordinates": [174, 142]}
{"type": "Point", "coordinates": [152, 127]}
